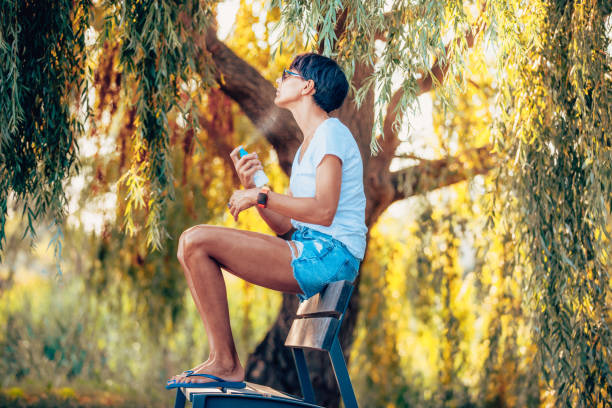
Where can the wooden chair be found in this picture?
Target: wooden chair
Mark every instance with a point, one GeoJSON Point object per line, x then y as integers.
{"type": "Point", "coordinates": [316, 327]}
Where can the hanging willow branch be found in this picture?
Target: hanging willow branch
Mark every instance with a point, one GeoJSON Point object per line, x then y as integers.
{"type": "Point", "coordinates": [43, 59]}
{"type": "Point", "coordinates": [156, 55]}
{"type": "Point", "coordinates": [557, 138]}
{"type": "Point", "coordinates": [42, 70]}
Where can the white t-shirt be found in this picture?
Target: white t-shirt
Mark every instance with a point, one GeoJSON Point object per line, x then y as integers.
{"type": "Point", "coordinates": [348, 226]}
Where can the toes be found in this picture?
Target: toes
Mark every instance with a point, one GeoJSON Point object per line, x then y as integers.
{"type": "Point", "coordinates": [177, 377]}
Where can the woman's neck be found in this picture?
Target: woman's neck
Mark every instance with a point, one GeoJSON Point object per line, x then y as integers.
{"type": "Point", "coordinates": [308, 118]}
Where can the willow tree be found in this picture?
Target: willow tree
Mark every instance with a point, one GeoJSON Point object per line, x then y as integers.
{"type": "Point", "coordinates": [42, 67]}
{"type": "Point", "coordinates": [271, 363]}
{"type": "Point", "coordinates": [556, 139]}
{"type": "Point", "coordinates": [164, 48]}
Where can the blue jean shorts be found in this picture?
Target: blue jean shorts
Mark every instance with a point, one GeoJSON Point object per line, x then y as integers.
{"type": "Point", "coordinates": [320, 260]}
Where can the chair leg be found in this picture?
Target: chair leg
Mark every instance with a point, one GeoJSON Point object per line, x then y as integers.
{"type": "Point", "coordinates": [344, 381]}
{"type": "Point", "coordinates": [179, 402]}
{"type": "Point", "coordinates": [304, 377]}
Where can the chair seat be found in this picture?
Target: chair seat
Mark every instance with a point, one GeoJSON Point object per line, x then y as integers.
{"type": "Point", "coordinates": [253, 395]}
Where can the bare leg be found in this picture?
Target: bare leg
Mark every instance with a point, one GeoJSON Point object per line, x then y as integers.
{"type": "Point", "coordinates": [258, 258]}
{"type": "Point", "coordinates": [194, 294]}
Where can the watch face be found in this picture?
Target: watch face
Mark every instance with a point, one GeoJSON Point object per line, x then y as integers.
{"type": "Point", "coordinates": [262, 200]}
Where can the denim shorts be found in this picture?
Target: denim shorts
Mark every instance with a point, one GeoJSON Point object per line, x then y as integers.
{"type": "Point", "coordinates": [320, 260]}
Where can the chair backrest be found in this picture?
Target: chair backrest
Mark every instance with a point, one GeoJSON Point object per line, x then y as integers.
{"type": "Point", "coordinates": [318, 319]}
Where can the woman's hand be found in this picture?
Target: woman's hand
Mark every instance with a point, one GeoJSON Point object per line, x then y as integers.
{"type": "Point", "coordinates": [242, 200]}
{"type": "Point", "coordinates": [246, 167]}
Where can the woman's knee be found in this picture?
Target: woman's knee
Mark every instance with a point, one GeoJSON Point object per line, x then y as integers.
{"type": "Point", "coordinates": [196, 238]}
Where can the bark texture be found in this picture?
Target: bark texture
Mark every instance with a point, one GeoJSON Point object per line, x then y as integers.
{"type": "Point", "coordinates": [271, 363]}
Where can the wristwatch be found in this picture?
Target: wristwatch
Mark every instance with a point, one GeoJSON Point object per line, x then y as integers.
{"type": "Point", "coordinates": [262, 197]}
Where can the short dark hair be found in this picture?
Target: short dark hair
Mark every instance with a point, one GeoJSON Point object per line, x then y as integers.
{"type": "Point", "coordinates": [330, 82]}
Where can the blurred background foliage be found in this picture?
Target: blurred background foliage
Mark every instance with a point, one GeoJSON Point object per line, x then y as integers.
{"type": "Point", "coordinates": [445, 316]}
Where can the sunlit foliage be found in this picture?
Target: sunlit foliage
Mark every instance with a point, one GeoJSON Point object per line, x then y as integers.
{"type": "Point", "coordinates": [556, 140]}
{"type": "Point", "coordinates": [435, 330]}
{"type": "Point", "coordinates": [203, 180]}
{"type": "Point", "coordinates": [442, 323]}
{"type": "Point", "coordinates": [554, 136]}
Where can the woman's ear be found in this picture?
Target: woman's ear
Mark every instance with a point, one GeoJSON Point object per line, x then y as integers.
{"type": "Point", "coordinates": [309, 88]}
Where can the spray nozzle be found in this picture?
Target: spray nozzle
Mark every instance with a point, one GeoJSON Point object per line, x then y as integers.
{"type": "Point", "coordinates": [242, 152]}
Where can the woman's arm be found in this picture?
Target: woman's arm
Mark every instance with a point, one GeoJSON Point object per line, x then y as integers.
{"type": "Point", "coordinates": [279, 223]}
{"type": "Point", "coordinates": [319, 209]}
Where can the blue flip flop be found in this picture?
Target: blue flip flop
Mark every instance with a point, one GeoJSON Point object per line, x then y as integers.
{"type": "Point", "coordinates": [217, 383]}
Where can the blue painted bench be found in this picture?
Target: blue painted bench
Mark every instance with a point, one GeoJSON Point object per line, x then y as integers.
{"type": "Point", "coordinates": [316, 327]}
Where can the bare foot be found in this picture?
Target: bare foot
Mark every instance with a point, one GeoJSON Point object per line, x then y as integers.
{"type": "Point", "coordinates": [203, 365]}
{"type": "Point", "coordinates": [232, 371]}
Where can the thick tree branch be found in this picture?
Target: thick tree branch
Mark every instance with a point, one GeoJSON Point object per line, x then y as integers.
{"type": "Point", "coordinates": [432, 174]}
{"type": "Point", "coordinates": [390, 140]}
{"type": "Point", "coordinates": [255, 95]}
{"type": "Point", "coordinates": [220, 127]}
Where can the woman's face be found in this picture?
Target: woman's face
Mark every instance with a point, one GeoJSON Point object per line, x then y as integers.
{"type": "Point", "coordinates": [289, 88]}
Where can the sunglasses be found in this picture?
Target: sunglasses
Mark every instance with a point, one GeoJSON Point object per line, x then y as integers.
{"type": "Point", "coordinates": [287, 73]}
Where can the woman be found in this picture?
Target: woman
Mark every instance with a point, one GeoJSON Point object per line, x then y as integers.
{"type": "Point", "coordinates": [322, 218]}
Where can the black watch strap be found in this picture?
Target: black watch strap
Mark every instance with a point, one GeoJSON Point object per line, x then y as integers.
{"type": "Point", "coordinates": [262, 197]}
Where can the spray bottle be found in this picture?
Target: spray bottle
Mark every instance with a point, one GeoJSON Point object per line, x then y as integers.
{"type": "Point", "coordinates": [260, 177]}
